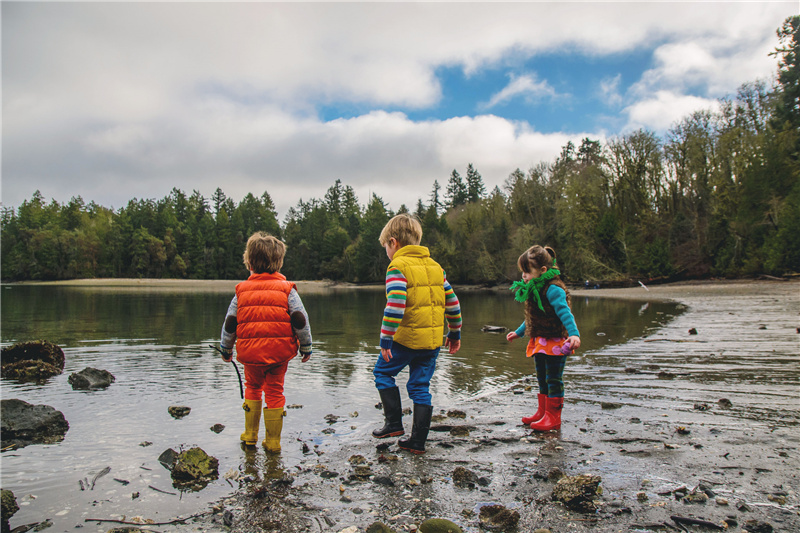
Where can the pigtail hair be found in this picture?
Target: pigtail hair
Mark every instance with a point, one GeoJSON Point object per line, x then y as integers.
{"type": "Point", "coordinates": [551, 252]}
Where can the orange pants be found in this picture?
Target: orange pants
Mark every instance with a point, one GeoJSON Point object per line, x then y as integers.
{"type": "Point", "coordinates": [266, 380]}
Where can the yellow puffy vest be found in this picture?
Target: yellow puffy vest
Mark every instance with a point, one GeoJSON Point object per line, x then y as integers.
{"type": "Point", "coordinates": [422, 327]}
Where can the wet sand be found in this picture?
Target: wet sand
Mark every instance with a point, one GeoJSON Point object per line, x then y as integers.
{"type": "Point", "coordinates": [714, 415]}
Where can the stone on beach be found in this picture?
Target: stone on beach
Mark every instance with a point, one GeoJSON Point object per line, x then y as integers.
{"type": "Point", "coordinates": [578, 493]}
{"type": "Point", "coordinates": [194, 468]}
{"type": "Point", "coordinates": [8, 504]}
{"type": "Point", "coordinates": [178, 411]}
{"type": "Point", "coordinates": [32, 361]}
{"type": "Point", "coordinates": [91, 379]}
{"type": "Point", "coordinates": [24, 424]}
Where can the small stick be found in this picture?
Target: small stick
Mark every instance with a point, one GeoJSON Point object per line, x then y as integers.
{"type": "Point", "coordinates": [671, 340]}
{"type": "Point", "coordinates": [164, 491]}
{"type": "Point", "coordinates": [100, 474]}
{"type": "Point", "coordinates": [695, 522]}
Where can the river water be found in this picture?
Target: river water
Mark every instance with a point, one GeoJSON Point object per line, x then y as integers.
{"type": "Point", "coordinates": [155, 342]}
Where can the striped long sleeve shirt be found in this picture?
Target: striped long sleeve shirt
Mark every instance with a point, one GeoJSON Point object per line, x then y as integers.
{"type": "Point", "coordinates": [396, 293]}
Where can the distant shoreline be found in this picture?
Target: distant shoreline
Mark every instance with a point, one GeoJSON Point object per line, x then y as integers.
{"type": "Point", "coordinates": [666, 291]}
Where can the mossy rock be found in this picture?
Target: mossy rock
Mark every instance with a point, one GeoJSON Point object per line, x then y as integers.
{"type": "Point", "coordinates": [178, 411]}
{"type": "Point", "coordinates": [578, 492]}
{"type": "Point", "coordinates": [33, 361]}
{"type": "Point", "coordinates": [498, 518]}
{"type": "Point", "coordinates": [8, 505]}
{"type": "Point", "coordinates": [195, 465]}
{"type": "Point", "coordinates": [380, 527]}
{"type": "Point", "coordinates": [439, 525]}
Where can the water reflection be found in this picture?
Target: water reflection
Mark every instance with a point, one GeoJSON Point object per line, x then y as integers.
{"type": "Point", "coordinates": [155, 344]}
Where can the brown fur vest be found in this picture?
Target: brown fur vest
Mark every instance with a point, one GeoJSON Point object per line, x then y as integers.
{"type": "Point", "coordinates": [545, 323]}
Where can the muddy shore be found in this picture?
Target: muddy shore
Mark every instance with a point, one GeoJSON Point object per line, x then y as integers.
{"type": "Point", "coordinates": [703, 427]}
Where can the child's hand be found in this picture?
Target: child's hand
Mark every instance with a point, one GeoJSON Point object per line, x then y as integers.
{"type": "Point", "coordinates": [225, 353]}
{"type": "Point", "coordinates": [511, 336]}
{"type": "Point", "coordinates": [574, 342]}
{"type": "Point", "coordinates": [453, 345]}
{"type": "Point", "coordinates": [386, 353]}
{"type": "Point", "coordinates": [306, 357]}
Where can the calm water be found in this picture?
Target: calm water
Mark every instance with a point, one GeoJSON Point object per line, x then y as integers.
{"type": "Point", "coordinates": [155, 342]}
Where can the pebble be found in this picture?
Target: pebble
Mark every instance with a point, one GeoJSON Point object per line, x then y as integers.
{"type": "Point", "coordinates": [780, 500]}
{"type": "Point", "coordinates": [721, 501]}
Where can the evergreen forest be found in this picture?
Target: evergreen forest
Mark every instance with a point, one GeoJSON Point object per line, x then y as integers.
{"type": "Point", "coordinates": [717, 195]}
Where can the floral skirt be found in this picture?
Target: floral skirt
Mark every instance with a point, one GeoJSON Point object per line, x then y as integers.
{"type": "Point", "coordinates": [548, 346]}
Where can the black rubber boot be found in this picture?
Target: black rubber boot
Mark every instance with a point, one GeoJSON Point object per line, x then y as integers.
{"type": "Point", "coordinates": [419, 431]}
{"type": "Point", "coordinates": [392, 413]}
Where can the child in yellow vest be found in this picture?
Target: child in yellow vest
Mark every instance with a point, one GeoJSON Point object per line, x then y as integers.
{"type": "Point", "coordinates": [418, 300]}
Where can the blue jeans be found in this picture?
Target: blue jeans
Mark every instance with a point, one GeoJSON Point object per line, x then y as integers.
{"type": "Point", "coordinates": [421, 365]}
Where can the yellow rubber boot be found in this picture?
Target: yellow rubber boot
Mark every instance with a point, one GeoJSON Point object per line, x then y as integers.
{"type": "Point", "coordinates": [273, 424]}
{"type": "Point", "coordinates": [252, 419]}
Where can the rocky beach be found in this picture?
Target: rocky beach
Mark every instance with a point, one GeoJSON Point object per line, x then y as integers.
{"type": "Point", "coordinates": [692, 427]}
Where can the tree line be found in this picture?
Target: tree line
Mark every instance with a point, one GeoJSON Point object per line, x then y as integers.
{"type": "Point", "coordinates": [717, 195]}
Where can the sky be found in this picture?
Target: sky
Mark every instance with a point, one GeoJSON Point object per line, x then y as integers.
{"type": "Point", "coordinates": [112, 101]}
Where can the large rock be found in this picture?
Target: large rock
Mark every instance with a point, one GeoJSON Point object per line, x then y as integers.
{"type": "Point", "coordinates": [32, 361]}
{"type": "Point", "coordinates": [9, 507]}
{"type": "Point", "coordinates": [577, 492]}
{"type": "Point", "coordinates": [23, 424]}
{"type": "Point", "coordinates": [91, 379]}
{"type": "Point", "coordinates": [194, 469]}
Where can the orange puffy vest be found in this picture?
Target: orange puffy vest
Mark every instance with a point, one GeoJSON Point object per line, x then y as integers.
{"type": "Point", "coordinates": [264, 334]}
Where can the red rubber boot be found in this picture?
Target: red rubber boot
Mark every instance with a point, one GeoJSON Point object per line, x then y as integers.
{"type": "Point", "coordinates": [552, 416]}
{"type": "Point", "coordinates": [528, 420]}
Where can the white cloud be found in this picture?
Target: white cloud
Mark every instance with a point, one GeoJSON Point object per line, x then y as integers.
{"type": "Point", "coordinates": [526, 86]}
{"type": "Point", "coordinates": [244, 151]}
{"type": "Point", "coordinates": [664, 109]}
{"type": "Point", "coordinates": [116, 100]}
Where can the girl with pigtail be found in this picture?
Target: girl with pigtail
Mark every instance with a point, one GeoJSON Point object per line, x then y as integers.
{"type": "Point", "coordinates": [551, 327]}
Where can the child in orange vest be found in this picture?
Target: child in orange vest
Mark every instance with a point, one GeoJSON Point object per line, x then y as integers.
{"type": "Point", "coordinates": [271, 324]}
{"type": "Point", "coordinates": [551, 327]}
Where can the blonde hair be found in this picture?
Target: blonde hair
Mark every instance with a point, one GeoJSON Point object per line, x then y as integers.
{"type": "Point", "coordinates": [264, 253]}
{"type": "Point", "coordinates": [405, 228]}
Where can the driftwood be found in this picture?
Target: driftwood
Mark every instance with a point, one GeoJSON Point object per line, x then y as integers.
{"type": "Point", "coordinates": [176, 521]}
